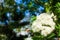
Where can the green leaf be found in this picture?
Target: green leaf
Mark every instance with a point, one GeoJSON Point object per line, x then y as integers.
{"type": "Point", "coordinates": [51, 35]}
{"type": "Point", "coordinates": [33, 18]}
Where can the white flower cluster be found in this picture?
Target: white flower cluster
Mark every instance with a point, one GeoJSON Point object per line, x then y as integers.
{"type": "Point", "coordinates": [29, 38]}
{"type": "Point", "coordinates": [43, 23]}
{"type": "Point", "coordinates": [21, 31]}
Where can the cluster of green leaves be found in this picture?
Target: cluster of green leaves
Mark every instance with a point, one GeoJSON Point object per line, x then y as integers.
{"type": "Point", "coordinates": [3, 37]}
{"type": "Point", "coordinates": [58, 30]}
{"type": "Point", "coordinates": [38, 36]}
{"type": "Point", "coordinates": [56, 10]}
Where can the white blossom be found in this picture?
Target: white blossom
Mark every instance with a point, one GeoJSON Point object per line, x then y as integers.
{"type": "Point", "coordinates": [18, 34]}
{"type": "Point", "coordinates": [37, 26]}
{"type": "Point", "coordinates": [46, 19]}
{"type": "Point", "coordinates": [41, 23]}
{"type": "Point", "coordinates": [46, 31]}
{"type": "Point", "coordinates": [54, 16]}
{"type": "Point", "coordinates": [22, 33]}
{"type": "Point", "coordinates": [29, 38]}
